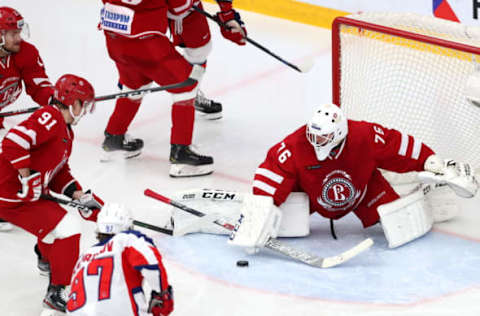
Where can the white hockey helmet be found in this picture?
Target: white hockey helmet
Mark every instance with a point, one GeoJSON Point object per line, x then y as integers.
{"type": "Point", "coordinates": [326, 129]}
{"type": "Point", "coordinates": [113, 218]}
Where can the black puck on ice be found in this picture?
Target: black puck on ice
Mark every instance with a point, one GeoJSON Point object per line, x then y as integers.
{"type": "Point", "coordinates": [242, 263]}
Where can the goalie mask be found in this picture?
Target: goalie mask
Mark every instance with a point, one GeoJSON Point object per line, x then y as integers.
{"type": "Point", "coordinates": [113, 218]}
{"type": "Point", "coordinates": [70, 88]}
{"type": "Point", "coordinates": [326, 129]}
{"type": "Point", "coordinates": [11, 20]}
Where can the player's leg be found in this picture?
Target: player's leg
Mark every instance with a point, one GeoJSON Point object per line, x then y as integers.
{"type": "Point", "coordinates": [172, 68]}
{"type": "Point", "coordinates": [58, 235]}
{"type": "Point", "coordinates": [195, 39]}
{"type": "Point", "coordinates": [117, 142]}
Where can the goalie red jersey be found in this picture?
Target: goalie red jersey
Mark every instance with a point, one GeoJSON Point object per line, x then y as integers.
{"type": "Point", "coordinates": [25, 65]}
{"type": "Point", "coordinates": [42, 143]}
{"type": "Point", "coordinates": [107, 279]}
{"type": "Point", "coordinates": [348, 179]}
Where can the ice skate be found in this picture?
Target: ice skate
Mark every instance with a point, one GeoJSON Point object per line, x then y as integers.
{"type": "Point", "coordinates": [207, 108]}
{"type": "Point", "coordinates": [186, 163]}
{"type": "Point", "coordinates": [120, 147]}
{"type": "Point", "coordinates": [55, 299]}
{"type": "Point", "coordinates": [42, 264]}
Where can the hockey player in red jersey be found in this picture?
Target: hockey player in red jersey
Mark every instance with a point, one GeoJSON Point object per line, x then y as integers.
{"type": "Point", "coordinates": [191, 32]}
{"type": "Point", "coordinates": [34, 161]}
{"type": "Point", "coordinates": [136, 39]}
{"type": "Point", "coordinates": [108, 277]}
{"type": "Point", "coordinates": [336, 162]}
{"type": "Point", "coordinates": [19, 61]}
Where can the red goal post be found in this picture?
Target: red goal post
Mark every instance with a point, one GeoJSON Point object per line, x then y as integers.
{"type": "Point", "coordinates": [409, 72]}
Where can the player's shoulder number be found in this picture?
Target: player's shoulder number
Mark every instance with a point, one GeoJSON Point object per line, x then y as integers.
{"type": "Point", "coordinates": [284, 153]}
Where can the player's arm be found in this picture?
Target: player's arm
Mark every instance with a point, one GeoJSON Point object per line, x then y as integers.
{"type": "Point", "coordinates": [144, 257]}
{"type": "Point", "coordinates": [37, 84]}
{"type": "Point", "coordinates": [276, 176]}
{"type": "Point", "coordinates": [17, 144]}
{"type": "Point", "coordinates": [235, 30]}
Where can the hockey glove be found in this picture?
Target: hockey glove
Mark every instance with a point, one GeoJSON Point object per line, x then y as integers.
{"type": "Point", "coordinates": [31, 187]}
{"type": "Point", "coordinates": [233, 28]}
{"type": "Point", "coordinates": [93, 203]}
{"type": "Point", "coordinates": [161, 304]}
{"type": "Point", "coordinates": [458, 176]}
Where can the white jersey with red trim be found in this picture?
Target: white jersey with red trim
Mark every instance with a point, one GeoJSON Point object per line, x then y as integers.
{"type": "Point", "coordinates": [107, 279]}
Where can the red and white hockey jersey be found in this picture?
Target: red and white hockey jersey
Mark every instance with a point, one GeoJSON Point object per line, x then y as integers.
{"type": "Point", "coordinates": [43, 143]}
{"type": "Point", "coordinates": [26, 66]}
{"type": "Point", "coordinates": [107, 279]}
{"type": "Point", "coordinates": [135, 18]}
{"type": "Point", "coordinates": [337, 185]}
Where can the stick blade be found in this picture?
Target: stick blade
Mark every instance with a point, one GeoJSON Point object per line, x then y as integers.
{"type": "Point", "coordinates": [306, 65]}
{"type": "Point", "coordinates": [347, 255]}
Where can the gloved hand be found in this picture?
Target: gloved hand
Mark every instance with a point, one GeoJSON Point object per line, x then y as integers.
{"type": "Point", "coordinates": [94, 204]}
{"type": "Point", "coordinates": [161, 304]}
{"type": "Point", "coordinates": [31, 187]}
{"type": "Point", "coordinates": [234, 29]}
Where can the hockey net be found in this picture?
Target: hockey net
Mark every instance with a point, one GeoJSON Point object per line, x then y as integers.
{"type": "Point", "coordinates": [408, 72]}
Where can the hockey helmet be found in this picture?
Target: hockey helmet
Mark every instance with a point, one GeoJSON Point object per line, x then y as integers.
{"type": "Point", "coordinates": [113, 218]}
{"type": "Point", "coordinates": [70, 88]}
{"type": "Point", "coordinates": [11, 19]}
{"type": "Point", "coordinates": [326, 129]}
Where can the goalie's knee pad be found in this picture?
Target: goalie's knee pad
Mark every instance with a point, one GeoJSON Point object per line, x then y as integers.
{"type": "Point", "coordinates": [296, 216]}
{"type": "Point", "coordinates": [406, 218]}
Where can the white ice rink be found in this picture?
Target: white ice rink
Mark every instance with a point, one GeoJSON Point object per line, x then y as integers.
{"type": "Point", "coordinates": [263, 101]}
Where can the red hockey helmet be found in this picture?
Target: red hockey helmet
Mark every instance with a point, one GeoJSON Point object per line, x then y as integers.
{"type": "Point", "coordinates": [11, 19]}
{"type": "Point", "coordinates": [70, 88]}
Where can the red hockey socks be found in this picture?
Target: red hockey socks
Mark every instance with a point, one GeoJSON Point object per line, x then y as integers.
{"type": "Point", "coordinates": [62, 258]}
{"type": "Point", "coordinates": [183, 116]}
{"type": "Point", "coordinates": [122, 116]}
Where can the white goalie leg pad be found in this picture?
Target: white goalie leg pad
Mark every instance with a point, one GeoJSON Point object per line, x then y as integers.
{"type": "Point", "coordinates": [217, 204]}
{"type": "Point", "coordinates": [445, 204]}
{"type": "Point", "coordinates": [406, 218]}
{"type": "Point", "coordinates": [68, 226]}
{"type": "Point", "coordinates": [259, 220]}
{"type": "Point", "coordinates": [295, 216]}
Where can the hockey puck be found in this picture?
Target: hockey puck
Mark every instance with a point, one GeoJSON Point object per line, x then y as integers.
{"type": "Point", "coordinates": [242, 263]}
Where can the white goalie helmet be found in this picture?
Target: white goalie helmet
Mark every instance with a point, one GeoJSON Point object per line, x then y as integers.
{"type": "Point", "coordinates": [113, 218]}
{"type": "Point", "coordinates": [326, 129]}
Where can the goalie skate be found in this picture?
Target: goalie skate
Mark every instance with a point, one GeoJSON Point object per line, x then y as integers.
{"type": "Point", "coordinates": [207, 108]}
{"type": "Point", "coordinates": [120, 147]}
{"type": "Point", "coordinates": [186, 163]}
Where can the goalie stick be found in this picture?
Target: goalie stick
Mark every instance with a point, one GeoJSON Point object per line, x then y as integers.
{"type": "Point", "coordinates": [126, 94]}
{"type": "Point", "coordinates": [274, 244]}
{"type": "Point", "coordinates": [303, 69]}
{"type": "Point", "coordinates": [84, 207]}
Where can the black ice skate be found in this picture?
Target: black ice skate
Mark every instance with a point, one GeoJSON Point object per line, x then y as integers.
{"type": "Point", "coordinates": [42, 264]}
{"type": "Point", "coordinates": [56, 298]}
{"type": "Point", "coordinates": [186, 163]}
{"type": "Point", "coordinates": [207, 108]}
{"type": "Point", "coordinates": [122, 146]}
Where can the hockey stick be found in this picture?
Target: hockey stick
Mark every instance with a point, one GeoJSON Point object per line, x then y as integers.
{"type": "Point", "coordinates": [303, 69]}
{"type": "Point", "coordinates": [86, 208]}
{"type": "Point", "coordinates": [126, 94]}
{"type": "Point", "coordinates": [273, 243]}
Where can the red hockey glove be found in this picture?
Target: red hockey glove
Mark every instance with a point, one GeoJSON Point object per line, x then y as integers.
{"type": "Point", "coordinates": [93, 202]}
{"type": "Point", "coordinates": [31, 187]}
{"type": "Point", "coordinates": [161, 304]}
{"type": "Point", "coordinates": [234, 29]}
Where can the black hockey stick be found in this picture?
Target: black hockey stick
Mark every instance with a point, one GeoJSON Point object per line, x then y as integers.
{"type": "Point", "coordinates": [84, 207]}
{"type": "Point", "coordinates": [273, 243]}
{"type": "Point", "coordinates": [126, 94]}
{"type": "Point", "coordinates": [302, 69]}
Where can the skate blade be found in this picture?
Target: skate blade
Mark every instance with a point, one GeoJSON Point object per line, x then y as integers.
{"type": "Point", "coordinates": [209, 116]}
{"type": "Point", "coordinates": [183, 170]}
{"type": "Point", "coordinates": [118, 155]}
{"type": "Point", "coordinates": [51, 312]}
{"type": "Point", "coordinates": [44, 273]}
{"type": "Point", "coordinates": [6, 227]}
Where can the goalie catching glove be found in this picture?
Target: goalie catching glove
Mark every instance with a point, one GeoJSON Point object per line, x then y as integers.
{"type": "Point", "coordinates": [259, 221]}
{"type": "Point", "coordinates": [458, 176]}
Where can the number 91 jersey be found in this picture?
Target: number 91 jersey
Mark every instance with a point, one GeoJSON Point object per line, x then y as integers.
{"type": "Point", "coordinates": [347, 180]}
{"type": "Point", "coordinates": [107, 279]}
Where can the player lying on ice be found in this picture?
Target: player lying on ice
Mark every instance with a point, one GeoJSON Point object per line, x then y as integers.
{"type": "Point", "coordinates": [34, 161]}
{"type": "Point", "coordinates": [331, 166]}
{"type": "Point", "coordinates": [108, 277]}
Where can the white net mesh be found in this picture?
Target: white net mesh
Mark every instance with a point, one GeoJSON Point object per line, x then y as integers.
{"type": "Point", "coordinates": [412, 85]}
